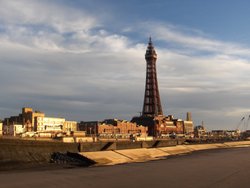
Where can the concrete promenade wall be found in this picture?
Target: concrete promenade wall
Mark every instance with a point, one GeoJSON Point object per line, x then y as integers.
{"type": "Point", "coordinates": [147, 154]}
{"type": "Point", "coordinates": [26, 151]}
{"type": "Point", "coordinates": [18, 151]}
{"type": "Point", "coordinates": [102, 146]}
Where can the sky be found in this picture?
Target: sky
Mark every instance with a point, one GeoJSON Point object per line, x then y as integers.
{"type": "Point", "coordinates": [84, 60]}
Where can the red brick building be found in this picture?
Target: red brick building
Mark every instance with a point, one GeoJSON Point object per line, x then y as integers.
{"type": "Point", "coordinates": [162, 125]}
{"type": "Point", "coordinates": [113, 128]}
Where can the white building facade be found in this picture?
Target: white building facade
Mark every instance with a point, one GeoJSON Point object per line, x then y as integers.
{"type": "Point", "coordinates": [49, 124]}
{"type": "Point", "coordinates": [70, 126]}
{"type": "Point", "coordinates": [13, 129]}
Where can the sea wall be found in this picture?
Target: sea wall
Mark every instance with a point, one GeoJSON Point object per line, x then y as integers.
{"type": "Point", "coordinates": [102, 146]}
{"type": "Point", "coordinates": [146, 154]}
{"type": "Point", "coordinates": [26, 151]}
{"type": "Point", "coordinates": [18, 152]}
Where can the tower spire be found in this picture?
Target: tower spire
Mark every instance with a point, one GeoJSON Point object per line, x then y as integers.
{"type": "Point", "coordinates": [152, 102]}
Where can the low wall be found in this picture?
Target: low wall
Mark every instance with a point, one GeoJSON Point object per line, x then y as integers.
{"type": "Point", "coordinates": [92, 146]}
{"type": "Point", "coordinates": [102, 146]}
{"type": "Point", "coordinates": [18, 151]}
{"type": "Point", "coordinates": [13, 150]}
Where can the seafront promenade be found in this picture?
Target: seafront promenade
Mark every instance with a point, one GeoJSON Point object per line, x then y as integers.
{"type": "Point", "coordinates": [223, 168]}
{"type": "Point", "coordinates": [114, 157]}
{"type": "Point", "coordinates": [23, 154]}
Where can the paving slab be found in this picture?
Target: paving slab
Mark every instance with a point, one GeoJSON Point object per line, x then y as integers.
{"type": "Point", "coordinates": [197, 147]}
{"type": "Point", "coordinates": [141, 154]}
{"type": "Point", "coordinates": [175, 150]}
{"type": "Point", "coordinates": [106, 157]}
{"type": "Point", "coordinates": [157, 153]}
{"type": "Point", "coordinates": [237, 144]}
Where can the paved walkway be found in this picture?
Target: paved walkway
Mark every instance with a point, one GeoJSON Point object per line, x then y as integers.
{"type": "Point", "coordinates": [223, 168]}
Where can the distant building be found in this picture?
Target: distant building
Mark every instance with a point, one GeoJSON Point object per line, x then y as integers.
{"type": "Point", "coordinates": [26, 118]}
{"type": "Point", "coordinates": [17, 129]}
{"type": "Point", "coordinates": [164, 125]}
{"type": "Point", "coordinates": [112, 128]}
{"type": "Point", "coordinates": [70, 126]}
{"type": "Point", "coordinates": [246, 134]}
{"type": "Point", "coordinates": [1, 128]}
{"type": "Point", "coordinates": [49, 124]}
{"type": "Point", "coordinates": [29, 118]}
{"type": "Point", "coordinates": [225, 133]}
{"type": "Point", "coordinates": [54, 124]}
{"type": "Point", "coordinates": [14, 129]}
{"type": "Point", "coordinates": [189, 116]}
{"type": "Point", "coordinates": [188, 127]}
{"type": "Point", "coordinates": [167, 124]}
{"type": "Point", "coordinates": [37, 121]}
{"type": "Point", "coordinates": [90, 127]}
{"type": "Point", "coordinates": [199, 131]}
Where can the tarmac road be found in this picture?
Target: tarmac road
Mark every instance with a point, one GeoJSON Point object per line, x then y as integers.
{"type": "Point", "coordinates": [222, 168]}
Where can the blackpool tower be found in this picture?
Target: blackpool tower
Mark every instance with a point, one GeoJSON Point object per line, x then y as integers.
{"type": "Point", "coordinates": [152, 116]}
{"type": "Point", "coordinates": [152, 102]}
{"type": "Point", "coordinates": [152, 109]}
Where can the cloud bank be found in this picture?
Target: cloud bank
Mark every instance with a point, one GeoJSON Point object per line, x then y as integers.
{"type": "Point", "coordinates": [66, 61]}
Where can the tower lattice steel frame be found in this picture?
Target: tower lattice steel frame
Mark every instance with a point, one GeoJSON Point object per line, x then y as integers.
{"type": "Point", "coordinates": [152, 102]}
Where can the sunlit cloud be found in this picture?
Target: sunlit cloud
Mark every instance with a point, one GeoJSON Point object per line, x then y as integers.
{"type": "Point", "coordinates": [64, 59]}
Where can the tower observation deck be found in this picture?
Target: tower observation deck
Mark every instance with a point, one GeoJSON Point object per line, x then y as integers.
{"type": "Point", "coordinates": [152, 102]}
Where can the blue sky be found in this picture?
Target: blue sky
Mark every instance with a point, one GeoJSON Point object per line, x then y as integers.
{"type": "Point", "coordinates": [226, 19]}
{"type": "Point", "coordinates": [84, 60]}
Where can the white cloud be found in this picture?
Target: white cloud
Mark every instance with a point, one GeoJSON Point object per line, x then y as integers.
{"type": "Point", "coordinates": [54, 57]}
{"type": "Point", "coordinates": [35, 13]}
{"type": "Point", "coordinates": [190, 39]}
{"type": "Point", "coordinates": [53, 27]}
